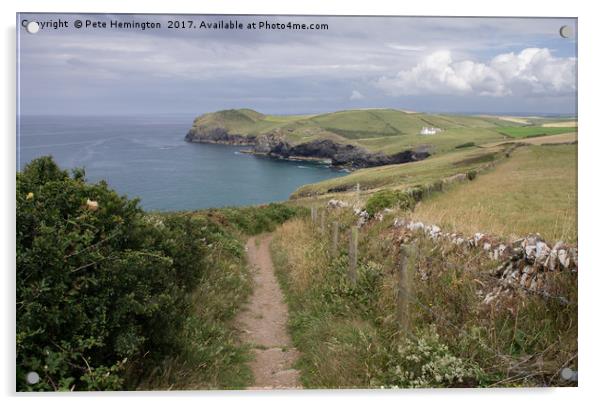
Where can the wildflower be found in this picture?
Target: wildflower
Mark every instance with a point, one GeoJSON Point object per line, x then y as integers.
{"type": "Point", "coordinates": [92, 205]}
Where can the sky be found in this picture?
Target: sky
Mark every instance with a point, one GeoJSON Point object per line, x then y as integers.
{"type": "Point", "coordinates": [454, 65]}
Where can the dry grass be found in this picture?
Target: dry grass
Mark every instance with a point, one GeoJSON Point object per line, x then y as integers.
{"type": "Point", "coordinates": [535, 190]}
{"type": "Point", "coordinates": [540, 140]}
{"type": "Point", "coordinates": [560, 124]}
{"type": "Point", "coordinates": [349, 335]}
{"type": "Point", "coordinates": [407, 174]}
{"type": "Point", "coordinates": [305, 258]}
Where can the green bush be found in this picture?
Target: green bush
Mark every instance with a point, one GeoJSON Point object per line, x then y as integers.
{"type": "Point", "coordinates": [391, 199]}
{"type": "Point", "coordinates": [101, 287]}
{"type": "Point", "coordinates": [255, 220]}
{"type": "Point", "coordinates": [381, 200]}
{"type": "Point", "coordinates": [471, 175]}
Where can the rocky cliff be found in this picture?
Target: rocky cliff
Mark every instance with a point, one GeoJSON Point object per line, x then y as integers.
{"type": "Point", "coordinates": [275, 145]}
{"type": "Point", "coordinates": [218, 135]}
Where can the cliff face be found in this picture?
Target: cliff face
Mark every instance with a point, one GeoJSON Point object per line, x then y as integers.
{"type": "Point", "coordinates": [276, 146]}
{"type": "Point", "coordinates": [218, 135]}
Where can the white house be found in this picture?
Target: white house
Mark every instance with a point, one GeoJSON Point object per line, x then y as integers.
{"type": "Point", "coordinates": [429, 130]}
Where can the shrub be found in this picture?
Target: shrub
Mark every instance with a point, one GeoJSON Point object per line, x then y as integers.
{"type": "Point", "coordinates": [465, 145]}
{"type": "Point", "coordinates": [416, 192]}
{"type": "Point", "coordinates": [101, 288]}
{"type": "Point", "coordinates": [403, 199]}
{"type": "Point", "coordinates": [426, 362]}
{"type": "Point", "coordinates": [381, 200]}
{"type": "Point", "coordinates": [255, 220]}
{"type": "Point", "coordinates": [471, 175]}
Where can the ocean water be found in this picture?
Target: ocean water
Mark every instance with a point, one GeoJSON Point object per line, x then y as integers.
{"type": "Point", "coordinates": [147, 157]}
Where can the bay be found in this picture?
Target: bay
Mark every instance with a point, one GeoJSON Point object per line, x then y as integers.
{"type": "Point", "coordinates": [147, 157]}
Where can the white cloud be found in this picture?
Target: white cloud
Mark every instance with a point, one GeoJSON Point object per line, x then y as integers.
{"type": "Point", "coordinates": [356, 95]}
{"type": "Point", "coordinates": [410, 48]}
{"type": "Point", "coordinates": [533, 71]}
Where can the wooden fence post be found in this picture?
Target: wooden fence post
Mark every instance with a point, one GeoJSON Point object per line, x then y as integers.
{"type": "Point", "coordinates": [357, 193]}
{"type": "Point", "coordinates": [335, 237]}
{"type": "Point", "coordinates": [353, 236]}
{"type": "Point", "coordinates": [323, 221]}
{"type": "Point", "coordinates": [404, 288]}
{"type": "Point", "coordinates": [313, 214]}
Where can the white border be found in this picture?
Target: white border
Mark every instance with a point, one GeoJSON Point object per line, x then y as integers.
{"type": "Point", "coordinates": [590, 147]}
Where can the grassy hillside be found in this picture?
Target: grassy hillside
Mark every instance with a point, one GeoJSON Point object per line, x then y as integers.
{"type": "Point", "coordinates": [384, 130]}
{"type": "Point", "coordinates": [407, 174]}
{"type": "Point", "coordinates": [533, 191]}
{"type": "Point", "coordinates": [520, 188]}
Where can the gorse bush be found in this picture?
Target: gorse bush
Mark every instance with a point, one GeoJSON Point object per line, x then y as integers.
{"type": "Point", "coordinates": [99, 286]}
{"type": "Point", "coordinates": [106, 292]}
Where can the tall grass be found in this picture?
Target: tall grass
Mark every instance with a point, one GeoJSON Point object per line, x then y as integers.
{"type": "Point", "coordinates": [349, 335]}
{"type": "Point", "coordinates": [535, 190]}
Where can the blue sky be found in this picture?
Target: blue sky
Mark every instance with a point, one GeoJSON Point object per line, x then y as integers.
{"type": "Point", "coordinates": [490, 65]}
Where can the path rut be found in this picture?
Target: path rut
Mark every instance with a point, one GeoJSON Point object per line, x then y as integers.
{"type": "Point", "coordinates": [263, 323]}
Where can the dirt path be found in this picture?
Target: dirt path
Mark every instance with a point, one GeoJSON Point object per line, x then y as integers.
{"type": "Point", "coordinates": [263, 323]}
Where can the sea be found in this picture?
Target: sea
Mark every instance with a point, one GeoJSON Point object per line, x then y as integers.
{"type": "Point", "coordinates": [147, 157]}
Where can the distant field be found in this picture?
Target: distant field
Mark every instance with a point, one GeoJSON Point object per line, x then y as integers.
{"type": "Point", "coordinates": [408, 174]}
{"type": "Point", "coordinates": [533, 191]}
{"type": "Point", "coordinates": [531, 131]}
{"type": "Point", "coordinates": [560, 124]}
{"type": "Point", "coordinates": [568, 137]}
{"type": "Point", "coordinates": [385, 130]}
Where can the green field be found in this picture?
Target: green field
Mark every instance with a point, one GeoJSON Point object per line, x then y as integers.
{"type": "Point", "coordinates": [531, 131]}
{"type": "Point", "coordinates": [383, 130]}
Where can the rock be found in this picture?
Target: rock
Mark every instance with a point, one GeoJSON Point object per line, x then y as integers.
{"type": "Point", "coordinates": [486, 246]}
{"type": "Point", "coordinates": [530, 251]}
{"type": "Point", "coordinates": [525, 278]}
{"type": "Point", "coordinates": [552, 260]}
{"type": "Point", "coordinates": [563, 258]}
{"type": "Point", "coordinates": [542, 251]}
{"type": "Point", "coordinates": [496, 253]}
{"type": "Point", "coordinates": [337, 204]}
{"type": "Point", "coordinates": [218, 135]}
{"type": "Point", "coordinates": [399, 222]}
{"type": "Point", "coordinates": [275, 144]}
{"type": "Point", "coordinates": [529, 270]}
{"type": "Point", "coordinates": [415, 226]}
{"type": "Point", "coordinates": [379, 216]}
{"type": "Point", "coordinates": [434, 231]}
{"type": "Point", "coordinates": [363, 217]}
{"type": "Point", "coordinates": [455, 178]}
